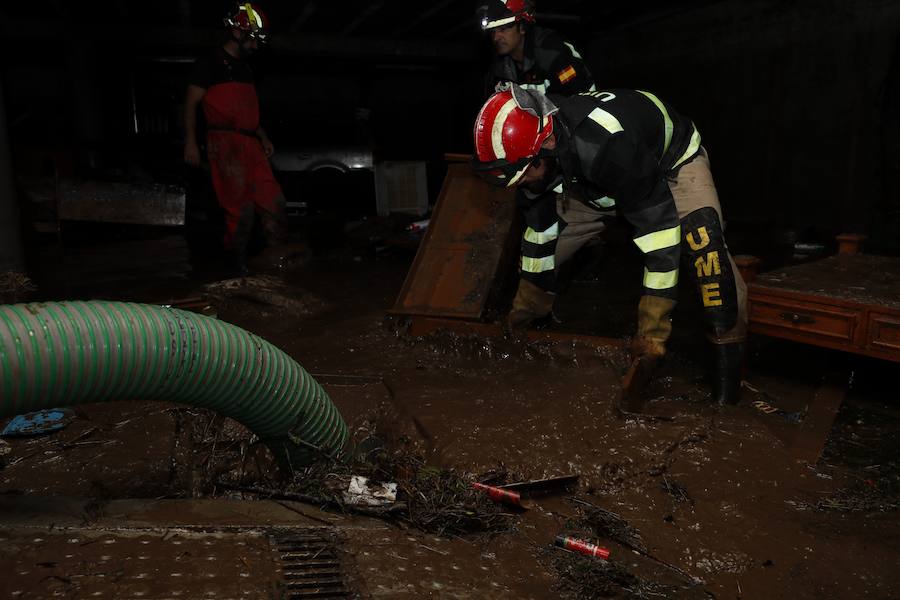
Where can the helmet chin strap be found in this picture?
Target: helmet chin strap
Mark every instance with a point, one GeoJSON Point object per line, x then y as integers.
{"type": "Point", "coordinates": [546, 153]}
{"type": "Point", "coordinates": [240, 42]}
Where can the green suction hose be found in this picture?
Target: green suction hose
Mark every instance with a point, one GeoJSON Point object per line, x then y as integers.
{"type": "Point", "coordinates": [57, 354]}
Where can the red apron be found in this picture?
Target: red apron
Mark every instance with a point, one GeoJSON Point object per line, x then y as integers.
{"type": "Point", "coordinates": [241, 173]}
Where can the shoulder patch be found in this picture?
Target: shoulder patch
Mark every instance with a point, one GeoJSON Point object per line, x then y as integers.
{"type": "Point", "coordinates": [566, 74]}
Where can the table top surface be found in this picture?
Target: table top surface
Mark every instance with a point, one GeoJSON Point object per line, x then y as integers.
{"type": "Point", "coordinates": [859, 278]}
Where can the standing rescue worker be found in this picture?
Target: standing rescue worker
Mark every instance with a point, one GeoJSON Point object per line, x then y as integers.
{"type": "Point", "coordinates": [533, 57]}
{"type": "Point", "coordinates": [539, 59]}
{"type": "Point", "coordinates": [237, 147]}
{"type": "Point", "coordinates": [629, 150]}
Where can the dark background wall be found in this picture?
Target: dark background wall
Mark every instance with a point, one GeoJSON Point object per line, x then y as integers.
{"type": "Point", "coordinates": [798, 103]}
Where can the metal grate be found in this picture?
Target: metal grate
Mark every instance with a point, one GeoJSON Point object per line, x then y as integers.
{"type": "Point", "coordinates": [310, 566]}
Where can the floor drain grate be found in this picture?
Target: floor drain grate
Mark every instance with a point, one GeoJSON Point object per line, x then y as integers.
{"type": "Point", "coordinates": [310, 566]}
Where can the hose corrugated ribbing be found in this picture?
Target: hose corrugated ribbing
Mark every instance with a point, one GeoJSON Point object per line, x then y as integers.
{"type": "Point", "coordinates": [55, 354]}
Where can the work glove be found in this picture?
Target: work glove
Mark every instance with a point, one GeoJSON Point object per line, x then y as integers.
{"type": "Point", "coordinates": [654, 327]}
{"type": "Point", "coordinates": [530, 303]}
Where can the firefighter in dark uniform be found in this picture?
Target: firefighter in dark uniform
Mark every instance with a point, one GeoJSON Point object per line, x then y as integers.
{"type": "Point", "coordinates": [531, 56]}
{"type": "Point", "coordinates": [237, 147]}
{"type": "Point", "coordinates": [629, 150]}
{"type": "Point", "coordinates": [539, 59]}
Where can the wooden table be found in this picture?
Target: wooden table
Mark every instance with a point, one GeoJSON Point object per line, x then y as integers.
{"type": "Point", "coordinates": [848, 302]}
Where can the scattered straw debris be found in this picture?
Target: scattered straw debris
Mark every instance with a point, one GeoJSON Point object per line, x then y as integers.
{"type": "Point", "coordinates": [429, 498]}
{"type": "Point", "coordinates": [868, 495]}
{"type": "Point", "coordinates": [609, 525]}
{"type": "Point", "coordinates": [676, 491]}
{"type": "Point", "coordinates": [432, 499]}
{"type": "Point", "coordinates": [15, 287]}
{"type": "Point", "coordinates": [584, 577]}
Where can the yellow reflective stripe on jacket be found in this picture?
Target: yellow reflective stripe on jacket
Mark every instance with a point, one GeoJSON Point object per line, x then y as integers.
{"type": "Point", "coordinates": [538, 265]}
{"type": "Point", "coordinates": [660, 280]}
{"type": "Point", "coordinates": [572, 50]}
{"type": "Point", "coordinates": [542, 237]}
{"type": "Point", "coordinates": [606, 120]}
{"type": "Point", "coordinates": [670, 128]}
{"type": "Point", "coordinates": [658, 240]}
{"type": "Point", "coordinates": [604, 202]}
{"type": "Point", "coordinates": [692, 147]}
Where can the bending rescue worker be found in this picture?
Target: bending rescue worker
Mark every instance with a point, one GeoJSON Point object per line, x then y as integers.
{"type": "Point", "coordinates": [625, 150]}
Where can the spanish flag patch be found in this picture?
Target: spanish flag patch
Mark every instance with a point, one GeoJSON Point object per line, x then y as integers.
{"type": "Point", "coordinates": [566, 74]}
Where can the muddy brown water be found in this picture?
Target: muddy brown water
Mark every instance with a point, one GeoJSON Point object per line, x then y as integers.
{"type": "Point", "coordinates": [746, 525]}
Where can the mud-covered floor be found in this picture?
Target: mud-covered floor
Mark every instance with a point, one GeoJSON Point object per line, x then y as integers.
{"type": "Point", "coordinates": [728, 502]}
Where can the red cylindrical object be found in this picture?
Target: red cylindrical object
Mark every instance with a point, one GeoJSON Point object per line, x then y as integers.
{"type": "Point", "coordinates": [581, 546]}
{"type": "Point", "coordinates": [500, 495]}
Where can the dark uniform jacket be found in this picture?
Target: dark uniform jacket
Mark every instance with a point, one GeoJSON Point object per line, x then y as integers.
{"type": "Point", "coordinates": [551, 66]}
{"type": "Point", "coordinates": [616, 149]}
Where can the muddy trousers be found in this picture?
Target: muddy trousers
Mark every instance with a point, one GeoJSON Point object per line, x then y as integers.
{"type": "Point", "coordinates": [705, 257]}
{"type": "Point", "coordinates": [245, 186]}
{"type": "Point", "coordinates": [239, 223]}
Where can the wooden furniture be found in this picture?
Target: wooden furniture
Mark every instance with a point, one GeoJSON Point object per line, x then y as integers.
{"type": "Point", "coordinates": [848, 302]}
{"type": "Point", "coordinates": [465, 265]}
{"type": "Point", "coordinates": [465, 249]}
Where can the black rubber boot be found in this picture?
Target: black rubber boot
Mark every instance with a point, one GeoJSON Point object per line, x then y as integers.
{"type": "Point", "coordinates": [727, 376]}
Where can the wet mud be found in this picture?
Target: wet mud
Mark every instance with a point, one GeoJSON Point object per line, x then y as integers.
{"type": "Point", "coordinates": [719, 501]}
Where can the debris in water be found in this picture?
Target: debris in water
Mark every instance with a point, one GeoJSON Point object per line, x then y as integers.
{"type": "Point", "coordinates": [361, 493]}
{"type": "Point", "coordinates": [677, 491]}
{"type": "Point", "coordinates": [542, 485]}
{"type": "Point", "coordinates": [585, 577]}
{"type": "Point", "coordinates": [431, 499]}
{"type": "Point", "coordinates": [503, 496]}
{"type": "Point", "coordinates": [608, 524]}
{"type": "Point", "coordinates": [38, 422]}
{"type": "Point", "coordinates": [772, 409]}
{"type": "Point", "coordinates": [14, 287]}
{"type": "Point", "coordinates": [573, 544]}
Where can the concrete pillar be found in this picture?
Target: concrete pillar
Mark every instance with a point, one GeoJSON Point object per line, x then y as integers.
{"type": "Point", "coordinates": [11, 256]}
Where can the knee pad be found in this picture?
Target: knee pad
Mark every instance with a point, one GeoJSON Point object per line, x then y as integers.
{"type": "Point", "coordinates": [703, 249]}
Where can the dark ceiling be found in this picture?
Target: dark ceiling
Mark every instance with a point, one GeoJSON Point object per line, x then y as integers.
{"type": "Point", "coordinates": [438, 20]}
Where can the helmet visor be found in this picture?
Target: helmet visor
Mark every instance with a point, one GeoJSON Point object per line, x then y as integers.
{"type": "Point", "coordinates": [502, 173]}
{"type": "Point", "coordinates": [493, 15]}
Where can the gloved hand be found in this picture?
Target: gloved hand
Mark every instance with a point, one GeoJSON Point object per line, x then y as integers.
{"type": "Point", "coordinates": [530, 303]}
{"type": "Point", "coordinates": [654, 327]}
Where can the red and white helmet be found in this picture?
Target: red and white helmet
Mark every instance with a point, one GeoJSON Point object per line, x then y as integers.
{"type": "Point", "coordinates": [509, 131]}
{"type": "Point", "coordinates": [497, 13]}
{"type": "Point", "coordinates": [249, 18]}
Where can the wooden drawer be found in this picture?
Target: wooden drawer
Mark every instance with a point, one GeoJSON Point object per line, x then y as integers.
{"type": "Point", "coordinates": [804, 321]}
{"type": "Point", "coordinates": [883, 332]}
{"type": "Point", "coordinates": [845, 302]}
